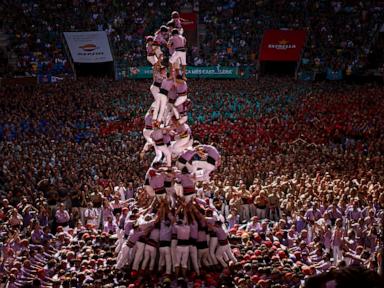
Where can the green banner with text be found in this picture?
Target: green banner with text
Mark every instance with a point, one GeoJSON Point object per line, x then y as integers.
{"type": "Point", "coordinates": [211, 72]}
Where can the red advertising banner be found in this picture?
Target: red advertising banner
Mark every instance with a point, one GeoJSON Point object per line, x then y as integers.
{"type": "Point", "coordinates": [282, 45]}
{"type": "Point", "coordinates": [191, 24]}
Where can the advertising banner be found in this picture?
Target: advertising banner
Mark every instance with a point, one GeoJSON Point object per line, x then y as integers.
{"type": "Point", "coordinates": [282, 45]}
{"type": "Point", "coordinates": [211, 72]}
{"type": "Point", "coordinates": [89, 47]}
{"type": "Point", "coordinates": [191, 24]}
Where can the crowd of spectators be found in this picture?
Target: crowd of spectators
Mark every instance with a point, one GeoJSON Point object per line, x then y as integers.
{"type": "Point", "coordinates": [340, 33]}
{"type": "Point", "coordinates": [300, 186]}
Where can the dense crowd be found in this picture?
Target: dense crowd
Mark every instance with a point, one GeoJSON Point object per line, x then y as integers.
{"type": "Point", "coordinates": [300, 188]}
{"type": "Point", "coordinates": [340, 33]}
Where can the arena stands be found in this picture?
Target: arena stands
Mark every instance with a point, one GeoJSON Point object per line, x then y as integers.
{"type": "Point", "coordinates": [340, 33]}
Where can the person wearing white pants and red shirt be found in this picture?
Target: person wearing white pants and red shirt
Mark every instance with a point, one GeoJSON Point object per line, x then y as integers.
{"type": "Point", "coordinates": [183, 232]}
{"type": "Point", "coordinates": [165, 258]}
{"type": "Point", "coordinates": [223, 251]}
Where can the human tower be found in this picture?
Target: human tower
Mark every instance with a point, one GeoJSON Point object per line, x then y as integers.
{"type": "Point", "coordinates": [178, 158]}
{"type": "Point", "coordinates": [185, 231]}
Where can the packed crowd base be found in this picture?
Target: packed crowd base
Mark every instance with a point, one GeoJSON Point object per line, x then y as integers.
{"type": "Point", "coordinates": [299, 189]}
{"type": "Point", "coordinates": [341, 32]}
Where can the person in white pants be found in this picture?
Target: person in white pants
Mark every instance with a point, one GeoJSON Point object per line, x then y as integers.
{"type": "Point", "coordinates": [150, 249]}
{"type": "Point", "coordinates": [185, 159]}
{"type": "Point", "coordinates": [193, 245]}
{"type": "Point", "coordinates": [185, 185]}
{"type": "Point", "coordinates": [180, 97]}
{"type": "Point", "coordinates": [90, 215]}
{"type": "Point", "coordinates": [165, 258]}
{"type": "Point", "coordinates": [146, 226]}
{"type": "Point", "coordinates": [183, 138]}
{"type": "Point", "coordinates": [178, 43]}
{"type": "Point", "coordinates": [173, 248]}
{"type": "Point", "coordinates": [126, 253]}
{"type": "Point", "coordinates": [159, 74]}
{"type": "Point", "coordinates": [158, 41]}
{"type": "Point", "coordinates": [120, 240]}
{"type": "Point", "coordinates": [244, 208]}
{"type": "Point", "coordinates": [158, 138]}
{"type": "Point", "coordinates": [203, 252]}
{"type": "Point", "coordinates": [170, 188]}
{"type": "Point", "coordinates": [153, 179]}
{"type": "Point", "coordinates": [140, 246]}
{"type": "Point", "coordinates": [208, 160]}
{"type": "Point", "coordinates": [151, 54]}
{"type": "Point", "coordinates": [125, 256]}
{"type": "Point", "coordinates": [212, 237]}
{"type": "Point", "coordinates": [212, 247]}
{"type": "Point", "coordinates": [183, 109]}
{"type": "Point", "coordinates": [201, 244]}
{"type": "Point", "coordinates": [336, 241]}
{"type": "Point", "coordinates": [223, 252]}
{"type": "Point", "coordinates": [183, 232]}
{"type": "Point", "coordinates": [148, 129]}
{"type": "Point", "coordinates": [168, 115]}
{"type": "Point", "coordinates": [167, 89]}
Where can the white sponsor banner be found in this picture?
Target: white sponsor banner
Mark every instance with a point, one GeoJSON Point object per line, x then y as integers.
{"type": "Point", "coordinates": [89, 47]}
